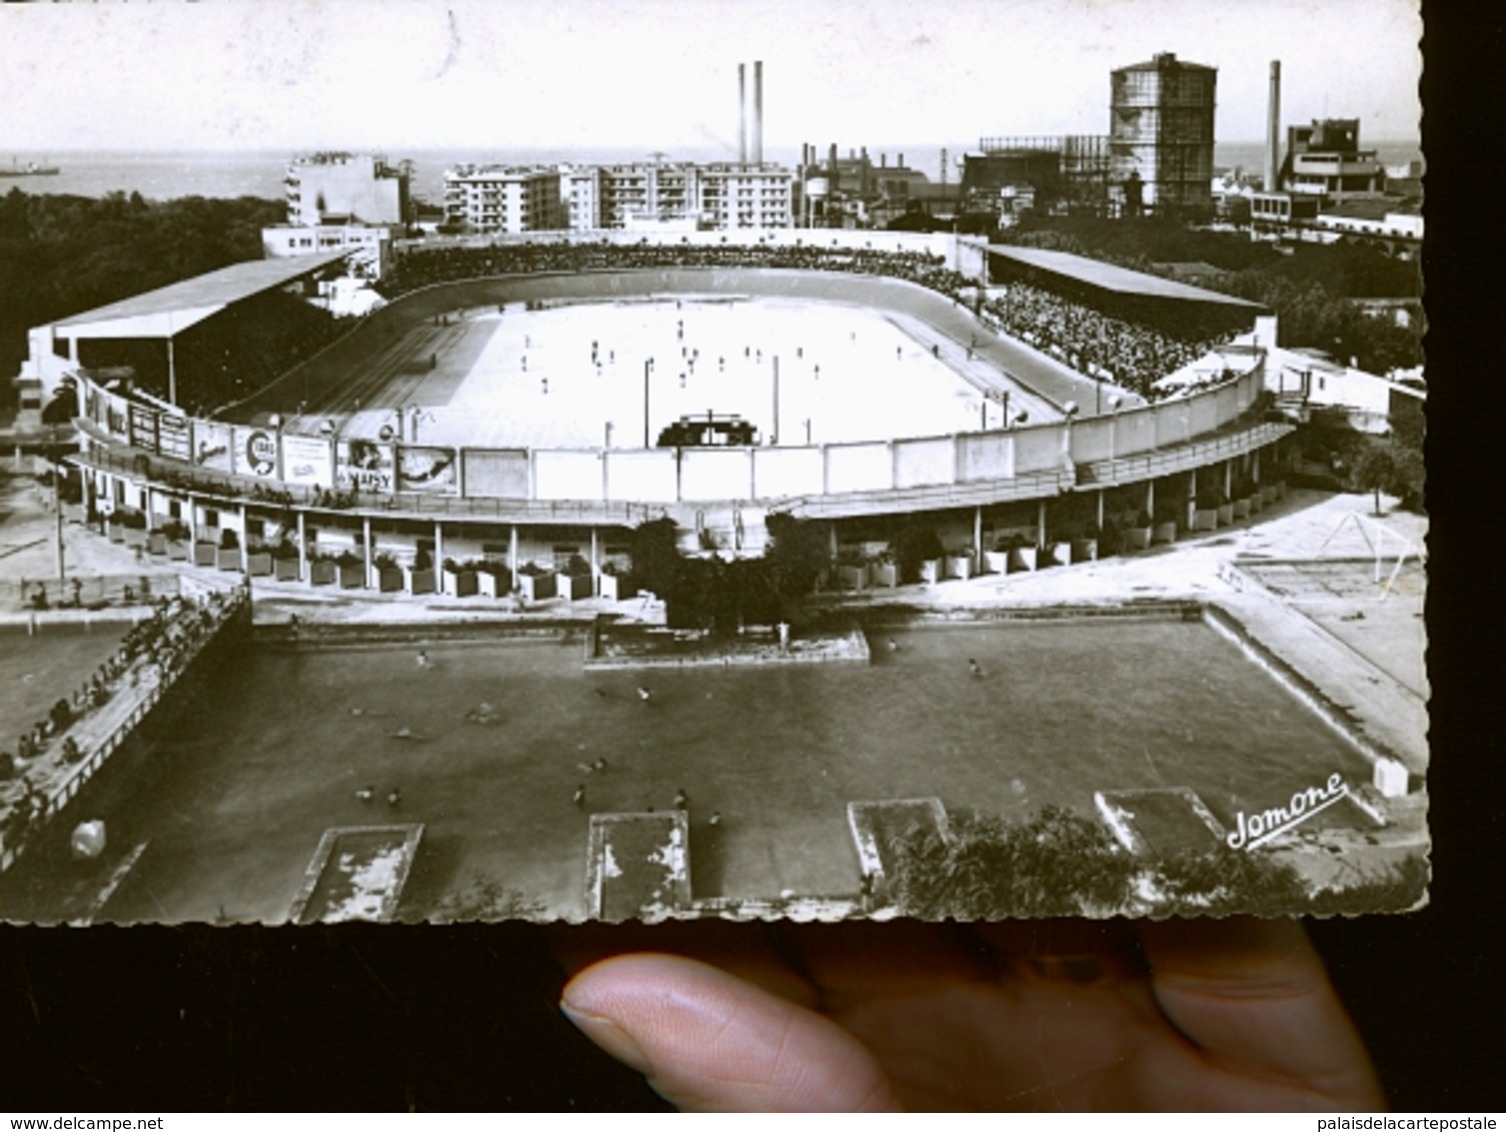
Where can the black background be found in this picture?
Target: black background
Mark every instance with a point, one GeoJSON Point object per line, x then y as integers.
{"type": "Point", "coordinates": [363, 1017]}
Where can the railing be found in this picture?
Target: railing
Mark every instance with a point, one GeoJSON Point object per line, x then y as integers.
{"type": "Point", "coordinates": [102, 731]}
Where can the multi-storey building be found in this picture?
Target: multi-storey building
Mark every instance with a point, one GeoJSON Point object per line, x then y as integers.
{"type": "Point", "coordinates": [504, 198]}
{"type": "Point", "coordinates": [584, 198]}
{"type": "Point", "coordinates": [747, 196]}
{"type": "Point", "coordinates": [1161, 134]}
{"type": "Point", "coordinates": [658, 194]}
{"type": "Point", "coordinates": [343, 188]}
{"type": "Point", "coordinates": [1324, 160]}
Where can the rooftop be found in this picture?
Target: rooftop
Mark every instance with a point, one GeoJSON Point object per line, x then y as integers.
{"type": "Point", "coordinates": [173, 309]}
{"type": "Point", "coordinates": [1107, 276]}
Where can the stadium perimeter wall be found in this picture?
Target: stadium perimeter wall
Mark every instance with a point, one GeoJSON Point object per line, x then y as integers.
{"type": "Point", "coordinates": [223, 475]}
{"type": "Point", "coordinates": [305, 466]}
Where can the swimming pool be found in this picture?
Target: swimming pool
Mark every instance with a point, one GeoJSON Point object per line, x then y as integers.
{"type": "Point", "coordinates": [275, 753]}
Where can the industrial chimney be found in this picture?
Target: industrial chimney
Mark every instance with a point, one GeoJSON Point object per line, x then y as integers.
{"type": "Point", "coordinates": [758, 112]}
{"type": "Point", "coordinates": [1273, 129]}
{"type": "Point", "coordinates": [742, 115]}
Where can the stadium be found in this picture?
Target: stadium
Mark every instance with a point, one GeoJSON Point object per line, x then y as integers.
{"type": "Point", "coordinates": [468, 465]}
{"type": "Point", "coordinates": [528, 403]}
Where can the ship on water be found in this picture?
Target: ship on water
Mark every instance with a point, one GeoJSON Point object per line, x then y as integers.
{"type": "Point", "coordinates": [30, 169]}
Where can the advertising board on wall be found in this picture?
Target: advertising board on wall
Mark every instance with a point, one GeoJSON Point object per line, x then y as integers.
{"type": "Point", "coordinates": [172, 436]}
{"type": "Point", "coordinates": [143, 426]}
{"type": "Point", "coordinates": [421, 468]}
{"type": "Point", "coordinates": [115, 421]}
{"type": "Point", "coordinates": [211, 445]}
{"type": "Point", "coordinates": [364, 465]}
{"type": "Point", "coordinates": [255, 451]}
{"type": "Point", "coordinates": [306, 460]}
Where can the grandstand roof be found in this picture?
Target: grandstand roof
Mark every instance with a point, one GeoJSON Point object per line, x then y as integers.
{"type": "Point", "coordinates": [1122, 280]}
{"type": "Point", "coordinates": [173, 309]}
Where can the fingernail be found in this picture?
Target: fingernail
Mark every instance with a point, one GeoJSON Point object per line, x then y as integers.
{"type": "Point", "coordinates": [610, 1037]}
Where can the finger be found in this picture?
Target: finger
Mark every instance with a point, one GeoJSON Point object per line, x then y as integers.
{"type": "Point", "coordinates": [1066, 950]}
{"type": "Point", "coordinates": [744, 950]}
{"type": "Point", "coordinates": [710, 1042]}
{"type": "Point", "coordinates": [850, 962]}
{"type": "Point", "coordinates": [1253, 995]}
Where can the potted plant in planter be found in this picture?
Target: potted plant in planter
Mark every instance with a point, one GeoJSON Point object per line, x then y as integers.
{"type": "Point", "coordinates": [1246, 498]}
{"type": "Point", "coordinates": [1137, 535]}
{"type": "Point", "coordinates": [389, 575]}
{"type": "Point", "coordinates": [323, 570]}
{"type": "Point", "coordinates": [228, 554]}
{"type": "Point", "coordinates": [996, 561]}
{"type": "Point", "coordinates": [493, 579]}
{"type": "Point", "coordinates": [959, 563]}
{"type": "Point", "coordinates": [1085, 545]}
{"type": "Point", "coordinates": [851, 570]}
{"type": "Point", "coordinates": [1165, 529]}
{"type": "Point", "coordinates": [350, 569]}
{"type": "Point", "coordinates": [1020, 553]}
{"type": "Point", "coordinates": [1225, 510]}
{"type": "Point", "coordinates": [575, 583]}
{"type": "Point", "coordinates": [615, 583]}
{"type": "Point", "coordinates": [285, 560]}
{"type": "Point", "coordinates": [883, 571]}
{"type": "Point", "coordinates": [1205, 515]}
{"type": "Point", "coordinates": [918, 552]}
{"type": "Point", "coordinates": [134, 532]}
{"type": "Point", "coordinates": [536, 582]}
{"type": "Point", "coordinates": [458, 579]}
{"type": "Point", "coordinates": [175, 534]}
{"type": "Point", "coordinates": [259, 561]}
{"type": "Point", "coordinates": [419, 578]}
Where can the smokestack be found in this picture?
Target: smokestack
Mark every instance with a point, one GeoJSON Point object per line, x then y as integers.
{"type": "Point", "coordinates": [758, 112]}
{"type": "Point", "coordinates": [831, 168]}
{"type": "Point", "coordinates": [742, 115]}
{"type": "Point", "coordinates": [1273, 129]}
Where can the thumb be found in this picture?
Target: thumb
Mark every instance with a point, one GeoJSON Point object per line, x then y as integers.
{"type": "Point", "coordinates": [709, 1042]}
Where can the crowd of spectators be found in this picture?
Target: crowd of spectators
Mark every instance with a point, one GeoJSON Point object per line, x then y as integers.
{"type": "Point", "coordinates": [163, 642]}
{"type": "Point", "coordinates": [1129, 354]}
{"type": "Point", "coordinates": [442, 265]}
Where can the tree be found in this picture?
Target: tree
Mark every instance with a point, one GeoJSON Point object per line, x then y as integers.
{"type": "Point", "coordinates": [1387, 465]}
{"type": "Point", "coordinates": [1223, 881]}
{"type": "Point", "coordinates": [1057, 864]}
{"type": "Point", "coordinates": [655, 555]}
{"type": "Point", "coordinates": [798, 551]}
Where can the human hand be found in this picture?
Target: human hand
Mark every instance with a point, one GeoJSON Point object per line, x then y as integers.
{"type": "Point", "coordinates": [1071, 1015]}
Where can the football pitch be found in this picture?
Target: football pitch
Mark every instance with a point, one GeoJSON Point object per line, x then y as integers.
{"type": "Point", "coordinates": [589, 375]}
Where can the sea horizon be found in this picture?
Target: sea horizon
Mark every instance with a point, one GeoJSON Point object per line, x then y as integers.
{"type": "Point", "coordinates": [171, 174]}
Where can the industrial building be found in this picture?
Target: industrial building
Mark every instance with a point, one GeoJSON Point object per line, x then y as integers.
{"type": "Point", "coordinates": [1161, 135]}
{"type": "Point", "coordinates": [1011, 175]}
{"type": "Point", "coordinates": [854, 191]}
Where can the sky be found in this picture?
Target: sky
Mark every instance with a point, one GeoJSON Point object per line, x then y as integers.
{"type": "Point", "coordinates": [391, 75]}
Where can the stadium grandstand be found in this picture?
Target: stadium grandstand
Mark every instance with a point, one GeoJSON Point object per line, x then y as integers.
{"type": "Point", "coordinates": [198, 345]}
{"type": "Point", "coordinates": [1109, 322]}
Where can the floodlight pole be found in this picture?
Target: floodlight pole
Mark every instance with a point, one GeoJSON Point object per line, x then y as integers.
{"type": "Point", "coordinates": [776, 399]}
{"type": "Point", "coordinates": [648, 368]}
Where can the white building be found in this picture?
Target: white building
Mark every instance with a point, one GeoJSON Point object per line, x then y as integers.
{"type": "Point", "coordinates": [504, 198]}
{"type": "Point", "coordinates": [371, 244]}
{"type": "Point", "coordinates": [343, 188]}
{"type": "Point", "coordinates": [646, 195]}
